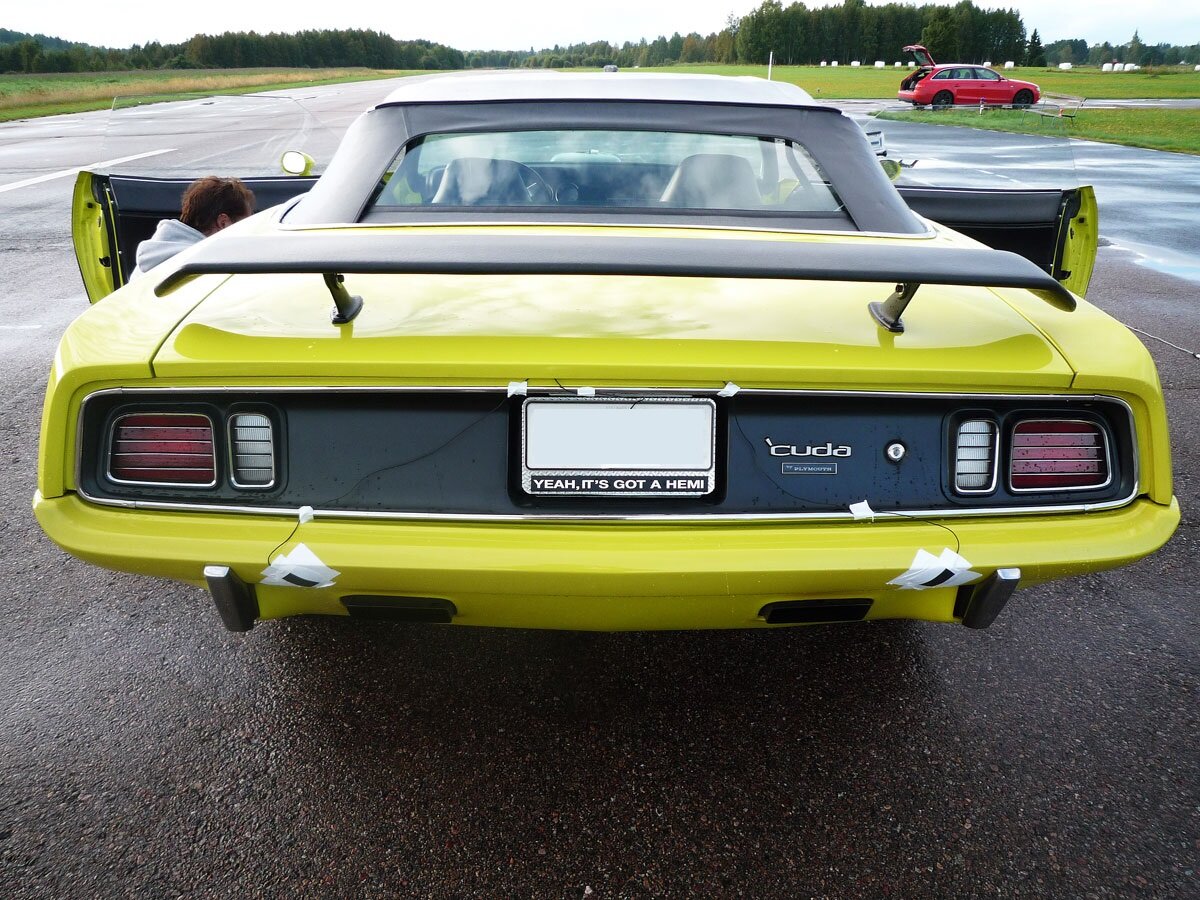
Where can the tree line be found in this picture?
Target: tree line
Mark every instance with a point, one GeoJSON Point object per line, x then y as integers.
{"type": "Point", "coordinates": [798, 35]}
{"type": "Point", "coordinates": [231, 50]}
{"type": "Point", "coordinates": [795, 34]}
{"type": "Point", "coordinates": [1077, 52]}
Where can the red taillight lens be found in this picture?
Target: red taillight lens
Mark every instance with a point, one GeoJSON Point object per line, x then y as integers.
{"type": "Point", "coordinates": [1049, 454]}
{"type": "Point", "coordinates": [163, 448]}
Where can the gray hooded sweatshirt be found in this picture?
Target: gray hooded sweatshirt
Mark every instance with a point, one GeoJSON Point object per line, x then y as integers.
{"type": "Point", "coordinates": [169, 238]}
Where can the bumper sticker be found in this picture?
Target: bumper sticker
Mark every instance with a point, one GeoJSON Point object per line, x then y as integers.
{"type": "Point", "coordinates": [300, 568]}
{"type": "Point", "coordinates": [928, 571]}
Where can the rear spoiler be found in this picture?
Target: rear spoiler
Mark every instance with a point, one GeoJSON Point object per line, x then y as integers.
{"type": "Point", "coordinates": [333, 256]}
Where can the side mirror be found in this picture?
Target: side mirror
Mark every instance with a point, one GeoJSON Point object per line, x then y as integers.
{"type": "Point", "coordinates": [891, 168]}
{"type": "Point", "coordinates": [294, 162]}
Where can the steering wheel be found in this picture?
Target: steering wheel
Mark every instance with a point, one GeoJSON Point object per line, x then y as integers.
{"type": "Point", "coordinates": [539, 192]}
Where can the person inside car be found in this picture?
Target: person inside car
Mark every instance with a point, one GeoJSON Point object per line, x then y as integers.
{"type": "Point", "coordinates": [209, 205]}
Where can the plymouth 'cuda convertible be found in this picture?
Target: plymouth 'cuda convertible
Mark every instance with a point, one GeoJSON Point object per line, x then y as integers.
{"type": "Point", "coordinates": [611, 351]}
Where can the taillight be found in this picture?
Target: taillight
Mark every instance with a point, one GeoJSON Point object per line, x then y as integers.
{"type": "Point", "coordinates": [252, 447]}
{"type": "Point", "coordinates": [1057, 454]}
{"type": "Point", "coordinates": [975, 457]}
{"type": "Point", "coordinates": [163, 448]}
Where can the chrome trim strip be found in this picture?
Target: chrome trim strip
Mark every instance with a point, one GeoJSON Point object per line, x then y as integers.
{"type": "Point", "coordinates": [784, 518]}
{"type": "Point", "coordinates": [929, 234]}
{"type": "Point", "coordinates": [564, 390]}
{"type": "Point", "coordinates": [924, 516]}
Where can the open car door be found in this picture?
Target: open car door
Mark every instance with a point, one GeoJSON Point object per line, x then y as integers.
{"type": "Point", "coordinates": [115, 210]}
{"type": "Point", "coordinates": [112, 214]}
{"type": "Point", "coordinates": [1056, 228]}
{"type": "Point", "coordinates": [1004, 190]}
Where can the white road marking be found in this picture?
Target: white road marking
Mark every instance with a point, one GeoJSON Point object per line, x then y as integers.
{"type": "Point", "coordinates": [999, 175]}
{"type": "Point", "coordinates": [65, 172]}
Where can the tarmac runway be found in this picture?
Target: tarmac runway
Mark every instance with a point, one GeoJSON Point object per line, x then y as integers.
{"type": "Point", "coordinates": [1149, 200]}
{"type": "Point", "coordinates": [144, 752]}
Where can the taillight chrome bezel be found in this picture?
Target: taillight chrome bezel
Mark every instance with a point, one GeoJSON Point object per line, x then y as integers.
{"type": "Point", "coordinates": [231, 449]}
{"type": "Point", "coordinates": [110, 453]}
{"type": "Point", "coordinates": [1106, 443]}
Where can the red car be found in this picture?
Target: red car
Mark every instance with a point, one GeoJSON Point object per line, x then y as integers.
{"type": "Point", "coordinates": [948, 84]}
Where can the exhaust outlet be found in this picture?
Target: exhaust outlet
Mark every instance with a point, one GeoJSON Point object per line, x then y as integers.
{"type": "Point", "coordinates": [433, 610]}
{"type": "Point", "coordinates": [805, 612]}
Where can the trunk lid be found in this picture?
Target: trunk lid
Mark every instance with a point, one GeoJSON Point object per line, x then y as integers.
{"type": "Point", "coordinates": [920, 54]}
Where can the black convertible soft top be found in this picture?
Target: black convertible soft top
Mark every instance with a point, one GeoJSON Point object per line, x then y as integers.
{"type": "Point", "coordinates": [834, 141]}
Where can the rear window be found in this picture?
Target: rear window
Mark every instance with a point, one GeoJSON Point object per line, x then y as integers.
{"type": "Point", "coordinates": [592, 169]}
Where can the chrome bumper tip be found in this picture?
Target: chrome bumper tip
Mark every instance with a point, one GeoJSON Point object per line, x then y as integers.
{"type": "Point", "coordinates": [234, 599]}
{"type": "Point", "coordinates": [987, 598]}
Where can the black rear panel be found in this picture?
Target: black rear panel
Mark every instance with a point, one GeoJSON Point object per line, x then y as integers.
{"type": "Point", "coordinates": [459, 453]}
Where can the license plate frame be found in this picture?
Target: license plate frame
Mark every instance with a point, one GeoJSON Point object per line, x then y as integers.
{"type": "Point", "coordinates": [664, 447]}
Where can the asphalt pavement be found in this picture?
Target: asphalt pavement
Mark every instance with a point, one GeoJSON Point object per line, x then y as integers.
{"type": "Point", "coordinates": [145, 752]}
{"type": "Point", "coordinates": [1149, 200]}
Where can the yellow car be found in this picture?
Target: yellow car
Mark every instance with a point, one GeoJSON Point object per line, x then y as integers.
{"type": "Point", "coordinates": [610, 351]}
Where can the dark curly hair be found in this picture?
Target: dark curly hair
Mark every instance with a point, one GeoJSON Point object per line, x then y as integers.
{"type": "Point", "coordinates": [208, 197]}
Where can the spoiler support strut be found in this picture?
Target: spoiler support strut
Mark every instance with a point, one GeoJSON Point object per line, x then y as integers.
{"type": "Point", "coordinates": [888, 312]}
{"type": "Point", "coordinates": [345, 305]}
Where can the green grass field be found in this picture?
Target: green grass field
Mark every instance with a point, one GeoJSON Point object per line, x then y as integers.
{"type": "Point", "coordinates": [1156, 129]}
{"type": "Point", "coordinates": [25, 96]}
{"type": "Point", "coordinates": [33, 95]}
{"type": "Point", "coordinates": [1177, 130]}
{"type": "Point", "coordinates": [867, 82]}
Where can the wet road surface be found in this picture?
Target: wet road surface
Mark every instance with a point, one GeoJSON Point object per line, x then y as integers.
{"type": "Point", "coordinates": [1149, 200]}
{"type": "Point", "coordinates": [144, 752]}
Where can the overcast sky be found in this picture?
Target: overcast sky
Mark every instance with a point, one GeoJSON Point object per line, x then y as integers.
{"type": "Point", "coordinates": [476, 24]}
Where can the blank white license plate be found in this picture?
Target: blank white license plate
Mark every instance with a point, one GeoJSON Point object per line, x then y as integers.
{"type": "Point", "coordinates": [622, 447]}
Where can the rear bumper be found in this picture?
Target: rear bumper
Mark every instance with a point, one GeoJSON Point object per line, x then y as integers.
{"type": "Point", "coordinates": [907, 97]}
{"type": "Point", "coordinates": [603, 576]}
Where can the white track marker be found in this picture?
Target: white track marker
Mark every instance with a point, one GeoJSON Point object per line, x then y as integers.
{"type": "Point", "coordinates": [65, 172]}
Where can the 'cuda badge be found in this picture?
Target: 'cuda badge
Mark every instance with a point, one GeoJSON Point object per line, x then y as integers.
{"type": "Point", "coordinates": [826, 449]}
